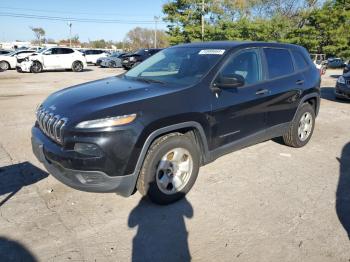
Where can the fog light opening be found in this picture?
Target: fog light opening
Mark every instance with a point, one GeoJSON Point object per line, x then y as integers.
{"type": "Point", "coordinates": [88, 149]}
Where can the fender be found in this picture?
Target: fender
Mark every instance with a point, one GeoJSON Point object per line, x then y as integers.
{"type": "Point", "coordinates": [164, 130]}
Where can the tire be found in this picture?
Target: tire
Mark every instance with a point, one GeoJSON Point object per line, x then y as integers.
{"type": "Point", "coordinates": [77, 66]}
{"type": "Point", "coordinates": [36, 67]}
{"type": "Point", "coordinates": [303, 119]}
{"type": "Point", "coordinates": [111, 64]}
{"type": "Point", "coordinates": [125, 67]}
{"type": "Point", "coordinates": [164, 158]}
{"type": "Point", "coordinates": [4, 66]}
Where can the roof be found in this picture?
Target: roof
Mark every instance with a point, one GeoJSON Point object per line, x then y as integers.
{"type": "Point", "coordinates": [233, 44]}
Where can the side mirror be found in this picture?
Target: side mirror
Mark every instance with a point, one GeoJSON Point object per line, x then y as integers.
{"type": "Point", "coordinates": [229, 81]}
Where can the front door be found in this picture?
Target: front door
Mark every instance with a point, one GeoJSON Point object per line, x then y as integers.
{"type": "Point", "coordinates": [51, 59]}
{"type": "Point", "coordinates": [238, 113]}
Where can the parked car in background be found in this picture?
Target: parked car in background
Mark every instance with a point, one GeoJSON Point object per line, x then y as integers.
{"type": "Point", "coordinates": [320, 62]}
{"type": "Point", "coordinates": [346, 68]}
{"type": "Point", "coordinates": [52, 59]}
{"type": "Point", "coordinates": [342, 87]}
{"type": "Point", "coordinates": [115, 60]}
{"type": "Point", "coordinates": [335, 62]}
{"type": "Point", "coordinates": [133, 59]}
{"type": "Point", "coordinates": [9, 60]}
{"type": "Point", "coordinates": [93, 54]}
{"type": "Point", "coordinates": [152, 128]}
{"type": "Point", "coordinates": [4, 52]}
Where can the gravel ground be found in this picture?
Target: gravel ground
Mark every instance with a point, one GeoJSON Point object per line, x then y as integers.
{"type": "Point", "coordinates": [267, 202]}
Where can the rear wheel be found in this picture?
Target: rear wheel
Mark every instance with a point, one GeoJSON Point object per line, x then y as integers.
{"type": "Point", "coordinates": [77, 66]}
{"type": "Point", "coordinates": [4, 66]}
{"type": "Point", "coordinates": [170, 169]}
{"type": "Point", "coordinates": [301, 130]}
{"type": "Point", "coordinates": [36, 67]}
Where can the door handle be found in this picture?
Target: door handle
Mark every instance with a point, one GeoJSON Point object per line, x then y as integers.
{"type": "Point", "coordinates": [262, 92]}
{"type": "Point", "coordinates": [299, 82]}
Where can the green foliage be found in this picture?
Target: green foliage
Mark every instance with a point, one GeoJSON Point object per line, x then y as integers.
{"type": "Point", "coordinates": [320, 28]}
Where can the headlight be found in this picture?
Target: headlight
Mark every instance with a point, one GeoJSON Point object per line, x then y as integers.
{"type": "Point", "coordinates": [132, 58]}
{"type": "Point", "coordinates": [341, 80]}
{"type": "Point", "coordinates": [107, 122]}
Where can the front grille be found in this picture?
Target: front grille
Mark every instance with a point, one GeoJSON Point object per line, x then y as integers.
{"type": "Point", "coordinates": [52, 125]}
{"type": "Point", "coordinates": [347, 82]}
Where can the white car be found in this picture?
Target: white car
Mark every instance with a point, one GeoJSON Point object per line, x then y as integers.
{"type": "Point", "coordinates": [93, 54]}
{"type": "Point", "coordinates": [9, 61]}
{"type": "Point", "coordinates": [52, 59]}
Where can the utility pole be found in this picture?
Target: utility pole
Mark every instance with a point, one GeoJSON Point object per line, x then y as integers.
{"type": "Point", "coordinates": [70, 33]}
{"type": "Point", "coordinates": [202, 18]}
{"type": "Point", "coordinates": [155, 30]}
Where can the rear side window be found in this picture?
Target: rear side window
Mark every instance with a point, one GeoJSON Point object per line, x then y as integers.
{"type": "Point", "coordinates": [300, 61]}
{"type": "Point", "coordinates": [63, 51]}
{"type": "Point", "coordinates": [279, 62]}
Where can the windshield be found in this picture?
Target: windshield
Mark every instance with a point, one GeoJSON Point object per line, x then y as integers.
{"type": "Point", "coordinates": [177, 65]}
{"type": "Point", "coordinates": [41, 50]}
{"type": "Point", "coordinates": [12, 53]}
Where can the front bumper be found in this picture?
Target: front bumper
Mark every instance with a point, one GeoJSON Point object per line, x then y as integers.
{"type": "Point", "coordinates": [84, 180]}
{"type": "Point", "coordinates": [342, 91]}
{"type": "Point", "coordinates": [24, 66]}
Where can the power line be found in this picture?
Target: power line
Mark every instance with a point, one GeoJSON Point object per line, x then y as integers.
{"type": "Point", "coordinates": [70, 12]}
{"type": "Point", "coordinates": [72, 19]}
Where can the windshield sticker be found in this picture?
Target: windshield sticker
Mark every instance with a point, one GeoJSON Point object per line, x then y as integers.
{"type": "Point", "coordinates": [212, 52]}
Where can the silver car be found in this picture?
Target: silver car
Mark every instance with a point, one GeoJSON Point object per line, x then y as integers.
{"type": "Point", "coordinates": [113, 60]}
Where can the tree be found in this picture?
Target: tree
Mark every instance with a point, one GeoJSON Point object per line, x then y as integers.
{"type": "Point", "coordinates": [39, 34]}
{"type": "Point", "coordinates": [318, 25]}
{"type": "Point", "coordinates": [144, 38]}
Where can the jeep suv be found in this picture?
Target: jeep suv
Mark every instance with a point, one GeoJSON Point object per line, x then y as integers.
{"type": "Point", "coordinates": [153, 127]}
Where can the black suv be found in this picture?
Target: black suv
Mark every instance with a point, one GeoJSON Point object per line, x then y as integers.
{"type": "Point", "coordinates": [137, 57]}
{"type": "Point", "coordinates": [153, 127]}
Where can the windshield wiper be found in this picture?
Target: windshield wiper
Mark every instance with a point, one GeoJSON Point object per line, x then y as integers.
{"type": "Point", "coordinates": [149, 80]}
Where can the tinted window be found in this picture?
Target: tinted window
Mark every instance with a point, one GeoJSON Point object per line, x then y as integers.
{"type": "Point", "coordinates": [63, 51]}
{"type": "Point", "coordinates": [54, 51]}
{"type": "Point", "coordinates": [279, 62]}
{"type": "Point", "coordinates": [245, 64]}
{"type": "Point", "coordinates": [300, 61]}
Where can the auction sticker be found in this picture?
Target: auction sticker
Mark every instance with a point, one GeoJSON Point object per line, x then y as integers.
{"type": "Point", "coordinates": [212, 52]}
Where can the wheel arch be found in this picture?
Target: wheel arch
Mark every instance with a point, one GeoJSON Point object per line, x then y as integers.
{"type": "Point", "coordinates": [190, 128]}
{"type": "Point", "coordinates": [313, 99]}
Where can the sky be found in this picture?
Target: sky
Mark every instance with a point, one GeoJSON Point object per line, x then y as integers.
{"type": "Point", "coordinates": [126, 15]}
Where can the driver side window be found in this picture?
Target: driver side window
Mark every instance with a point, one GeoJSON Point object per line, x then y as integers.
{"type": "Point", "coordinates": [245, 64]}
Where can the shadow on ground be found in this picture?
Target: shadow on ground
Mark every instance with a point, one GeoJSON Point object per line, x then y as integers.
{"type": "Point", "coordinates": [161, 233]}
{"type": "Point", "coordinates": [16, 176]}
{"type": "Point", "coordinates": [343, 190]}
{"type": "Point", "coordinates": [335, 76]}
{"type": "Point", "coordinates": [11, 250]}
{"type": "Point", "coordinates": [328, 94]}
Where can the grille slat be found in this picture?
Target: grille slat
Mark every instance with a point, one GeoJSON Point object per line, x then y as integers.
{"type": "Point", "coordinates": [51, 125]}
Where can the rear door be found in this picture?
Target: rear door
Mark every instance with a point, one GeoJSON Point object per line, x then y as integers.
{"type": "Point", "coordinates": [66, 57]}
{"type": "Point", "coordinates": [285, 84]}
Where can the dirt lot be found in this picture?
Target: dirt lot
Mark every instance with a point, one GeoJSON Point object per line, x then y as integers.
{"type": "Point", "coordinates": [267, 203]}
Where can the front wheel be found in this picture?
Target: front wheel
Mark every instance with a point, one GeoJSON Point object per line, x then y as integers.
{"type": "Point", "coordinates": [302, 127]}
{"type": "Point", "coordinates": [36, 67]}
{"type": "Point", "coordinates": [170, 169]}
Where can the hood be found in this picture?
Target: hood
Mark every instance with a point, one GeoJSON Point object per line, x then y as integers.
{"type": "Point", "coordinates": [103, 98]}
